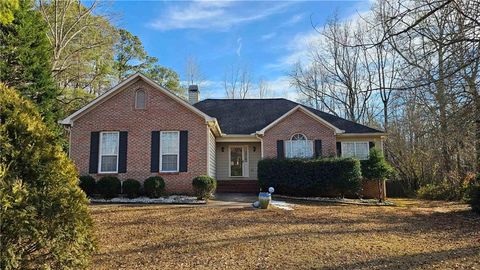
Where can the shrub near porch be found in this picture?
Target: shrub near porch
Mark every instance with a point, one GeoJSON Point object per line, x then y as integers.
{"type": "Point", "coordinates": [320, 177]}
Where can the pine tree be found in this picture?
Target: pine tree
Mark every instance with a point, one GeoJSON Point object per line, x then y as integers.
{"type": "Point", "coordinates": [25, 54]}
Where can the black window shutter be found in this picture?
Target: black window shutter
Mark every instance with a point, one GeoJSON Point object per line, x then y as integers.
{"type": "Point", "coordinates": [280, 150]}
{"type": "Point", "coordinates": [122, 152]}
{"type": "Point", "coordinates": [339, 149]}
{"type": "Point", "coordinates": [371, 145]}
{"type": "Point", "coordinates": [155, 152]}
{"type": "Point", "coordinates": [318, 148]}
{"type": "Point", "coordinates": [94, 145]}
{"type": "Point", "coordinates": [183, 151]}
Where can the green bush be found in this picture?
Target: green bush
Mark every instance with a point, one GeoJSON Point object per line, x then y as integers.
{"type": "Point", "coordinates": [375, 168]}
{"type": "Point", "coordinates": [87, 184]}
{"type": "Point", "coordinates": [131, 188]}
{"type": "Point", "coordinates": [45, 221]}
{"type": "Point", "coordinates": [320, 177]}
{"type": "Point", "coordinates": [452, 188]}
{"type": "Point", "coordinates": [442, 191]}
{"type": "Point", "coordinates": [109, 187]}
{"type": "Point", "coordinates": [204, 186]}
{"type": "Point", "coordinates": [154, 186]}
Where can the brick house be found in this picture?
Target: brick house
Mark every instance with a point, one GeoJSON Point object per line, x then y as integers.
{"type": "Point", "coordinates": [140, 129]}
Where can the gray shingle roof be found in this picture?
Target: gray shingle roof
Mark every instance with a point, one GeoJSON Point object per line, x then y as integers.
{"type": "Point", "coordinates": [246, 116]}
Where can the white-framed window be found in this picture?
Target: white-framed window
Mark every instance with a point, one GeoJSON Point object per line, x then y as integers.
{"type": "Point", "coordinates": [108, 161]}
{"type": "Point", "coordinates": [298, 147]}
{"type": "Point", "coordinates": [169, 151]}
{"type": "Point", "coordinates": [358, 150]}
{"type": "Point", "coordinates": [140, 99]}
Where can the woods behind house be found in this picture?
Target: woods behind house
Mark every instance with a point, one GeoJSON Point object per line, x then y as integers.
{"type": "Point", "coordinates": [411, 68]}
{"type": "Point", "coordinates": [408, 67]}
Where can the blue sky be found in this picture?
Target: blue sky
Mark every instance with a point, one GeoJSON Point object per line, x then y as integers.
{"type": "Point", "coordinates": [268, 37]}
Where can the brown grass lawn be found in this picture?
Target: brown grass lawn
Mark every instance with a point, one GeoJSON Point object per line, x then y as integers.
{"type": "Point", "coordinates": [425, 235]}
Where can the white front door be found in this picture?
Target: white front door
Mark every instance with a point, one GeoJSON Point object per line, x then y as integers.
{"type": "Point", "coordinates": [238, 161]}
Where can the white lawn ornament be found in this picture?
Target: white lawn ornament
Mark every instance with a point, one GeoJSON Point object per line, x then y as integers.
{"type": "Point", "coordinates": [271, 190]}
{"type": "Point", "coordinates": [256, 204]}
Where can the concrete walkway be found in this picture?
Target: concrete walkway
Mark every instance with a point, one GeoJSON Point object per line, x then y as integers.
{"type": "Point", "coordinates": [232, 200]}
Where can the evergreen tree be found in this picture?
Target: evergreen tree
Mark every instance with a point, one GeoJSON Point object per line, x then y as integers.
{"type": "Point", "coordinates": [25, 54]}
{"type": "Point", "coordinates": [376, 168]}
{"type": "Point", "coordinates": [45, 222]}
{"type": "Point", "coordinates": [166, 77]}
{"type": "Point", "coordinates": [130, 56]}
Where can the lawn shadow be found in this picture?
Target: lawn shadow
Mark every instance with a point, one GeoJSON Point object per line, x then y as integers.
{"type": "Point", "coordinates": [411, 261]}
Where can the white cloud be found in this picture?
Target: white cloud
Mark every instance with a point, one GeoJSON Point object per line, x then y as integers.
{"type": "Point", "coordinates": [239, 47]}
{"type": "Point", "coordinates": [294, 19]}
{"type": "Point", "coordinates": [298, 50]}
{"type": "Point", "coordinates": [268, 36]}
{"type": "Point", "coordinates": [280, 88]}
{"type": "Point", "coordinates": [214, 15]}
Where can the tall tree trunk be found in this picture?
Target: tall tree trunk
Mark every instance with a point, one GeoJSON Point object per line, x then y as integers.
{"type": "Point", "coordinates": [477, 130]}
{"type": "Point", "coordinates": [441, 98]}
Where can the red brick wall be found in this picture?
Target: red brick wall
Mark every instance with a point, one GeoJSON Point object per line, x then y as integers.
{"type": "Point", "coordinates": [299, 122]}
{"type": "Point", "coordinates": [162, 113]}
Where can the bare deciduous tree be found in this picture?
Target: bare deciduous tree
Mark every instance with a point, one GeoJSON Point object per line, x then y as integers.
{"type": "Point", "coordinates": [263, 88]}
{"type": "Point", "coordinates": [193, 72]}
{"type": "Point", "coordinates": [237, 82]}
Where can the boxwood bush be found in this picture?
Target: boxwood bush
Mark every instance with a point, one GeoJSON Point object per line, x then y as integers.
{"type": "Point", "coordinates": [108, 187]}
{"type": "Point", "coordinates": [204, 186]}
{"type": "Point", "coordinates": [320, 177]}
{"type": "Point", "coordinates": [154, 186]}
{"type": "Point", "coordinates": [87, 184]}
{"type": "Point", "coordinates": [131, 188]}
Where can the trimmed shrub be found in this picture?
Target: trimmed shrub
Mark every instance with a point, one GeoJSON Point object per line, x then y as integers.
{"type": "Point", "coordinates": [154, 186]}
{"type": "Point", "coordinates": [45, 221]}
{"type": "Point", "coordinates": [109, 187]}
{"type": "Point", "coordinates": [375, 168]}
{"type": "Point", "coordinates": [204, 186]}
{"type": "Point", "coordinates": [320, 177]}
{"type": "Point", "coordinates": [131, 188]}
{"type": "Point", "coordinates": [87, 184]}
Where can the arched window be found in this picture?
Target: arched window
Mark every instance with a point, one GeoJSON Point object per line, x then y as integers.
{"type": "Point", "coordinates": [140, 99]}
{"type": "Point", "coordinates": [299, 147]}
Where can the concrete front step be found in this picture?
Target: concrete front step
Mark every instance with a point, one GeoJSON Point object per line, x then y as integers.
{"type": "Point", "coordinates": [238, 186]}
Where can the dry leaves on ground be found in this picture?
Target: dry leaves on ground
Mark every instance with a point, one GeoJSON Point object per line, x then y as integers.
{"type": "Point", "coordinates": [313, 236]}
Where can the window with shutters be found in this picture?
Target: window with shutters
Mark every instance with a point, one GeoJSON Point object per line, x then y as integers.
{"type": "Point", "coordinates": [358, 150]}
{"type": "Point", "coordinates": [298, 147]}
{"type": "Point", "coordinates": [108, 161]}
{"type": "Point", "coordinates": [140, 99]}
{"type": "Point", "coordinates": [169, 151]}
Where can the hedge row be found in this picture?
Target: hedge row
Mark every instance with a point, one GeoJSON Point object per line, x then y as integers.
{"type": "Point", "coordinates": [320, 177]}
{"type": "Point", "coordinates": [110, 187]}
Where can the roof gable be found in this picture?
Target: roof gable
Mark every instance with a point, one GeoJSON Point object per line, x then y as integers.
{"type": "Point", "coordinates": [307, 112]}
{"type": "Point", "coordinates": [123, 85]}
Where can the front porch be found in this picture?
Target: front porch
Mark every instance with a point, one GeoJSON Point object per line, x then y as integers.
{"type": "Point", "coordinates": [236, 165]}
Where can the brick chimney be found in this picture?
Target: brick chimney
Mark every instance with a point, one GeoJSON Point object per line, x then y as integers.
{"type": "Point", "coordinates": [193, 94]}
